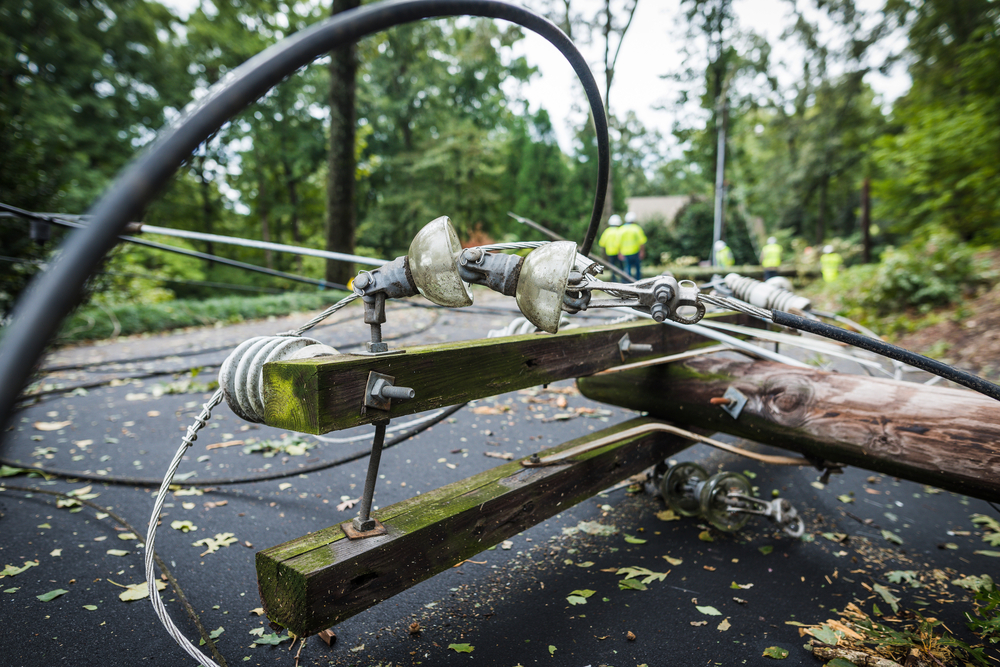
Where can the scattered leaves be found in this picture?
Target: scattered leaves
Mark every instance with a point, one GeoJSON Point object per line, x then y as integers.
{"type": "Point", "coordinates": [634, 540]}
{"type": "Point", "coordinates": [668, 515]}
{"type": "Point", "coordinates": [887, 595]}
{"type": "Point", "coordinates": [214, 634]}
{"type": "Point", "coordinates": [90, 607]}
{"type": "Point", "coordinates": [705, 536]}
{"type": "Point", "coordinates": [117, 552]}
{"type": "Point", "coordinates": [51, 426]}
{"type": "Point", "coordinates": [673, 561]}
{"type": "Point", "coordinates": [273, 639]}
{"type": "Point", "coordinates": [127, 536]}
{"type": "Point", "coordinates": [709, 610]}
{"type": "Point", "coordinates": [134, 592]}
{"type": "Point", "coordinates": [647, 576]}
{"type": "Point", "coordinates": [892, 537]}
{"type": "Point", "coordinates": [722, 627]}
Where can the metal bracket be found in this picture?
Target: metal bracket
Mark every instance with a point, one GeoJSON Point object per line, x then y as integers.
{"type": "Point", "coordinates": [355, 534]}
{"type": "Point", "coordinates": [380, 391]}
{"type": "Point", "coordinates": [737, 400]}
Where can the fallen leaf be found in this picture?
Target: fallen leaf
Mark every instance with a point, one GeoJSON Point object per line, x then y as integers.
{"type": "Point", "coordinates": [214, 634]}
{"type": "Point", "coordinates": [699, 623]}
{"type": "Point", "coordinates": [58, 552]}
{"type": "Point", "coordinates": [846, 498]}
{"type": "Point", "coordinates": [51, 426]}
{"type": "Point", "coordinates": [212, 544]}
{"type": "Point", "coordinates": [52, 595]}
{"type": "Point", "coordinates": [117, 552]}
{"type": "Point", "coordinates": [284, 485]}
{"type": "Point", "coordinates": [228, 443]}
{"type": "Point", "coordinates": [709, 610]}
{"type": "Point", "coordinates": [892, 537]}
{"type": "Point", "coordinates": [630, 636]}
{"type": "Point", "coordinates": [348, 504]}
{"type": "Point", "coordinates": [595, 528]}
{"type": "Point", "coordinates": [506, 456]}
{"type": "Point", "coordinates": [188, 506]}
{"type": "Point", "coordinates": [825, 634]}
{"type": "Point", "coordinates": [153, 413]}
{"type": "Point", "coordinates": [722, 627]}
{"type": "Point", "coordinates": [183, 526]}
{"type": "Point", "coordinates": [668, 515]}
{"type": "Point", "coordinates": [708, 567]}
{"type": "Point", "coordinates": [12, 570]}
{"type": "Point", "coordinates": [590, 563]}
{"type": "Point", "coordinates": [705, 536]}
{"type": "Point", "coordinates": [887, 595]}
{"type": "Point", "coordinates": [576, 599]}
{"type": "Point", "coordinates": [835, 537]}
{"type": "Point", "coordinates": [745, 587]}
{"type": "Point", "coordinates": [462, 648]}
{"type": "Point", "coordinates": [673, 561]}
{"type": "Point", "coordinates": [631, 584]}
{"type": "Point", "coordinates": [127, 536]}
{"type": "Point", "coordinates": [995, 554]}
{"type": "Point", "coordinates": [259, 611]}
{"type": "Point", "coordinates": [552, 649]}
{"type": "Point", "coordinates": [647, 576]}
{"type": "Point", "coordinates": [134, 592]}
{"type": "Point", "coordinates": [90, 607]}
{"type": "Point", "coordinates": [506, 545]}
{"type": "Point", "coordinates": [634, 540]}
{"type": "Point", "coordinates": [766, 549]}
{"type": "Point", "coordinates": [274, 639]}
{"type": "Point", "coordinates": [775, 652]}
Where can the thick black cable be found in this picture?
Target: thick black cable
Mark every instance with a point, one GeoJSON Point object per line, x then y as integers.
{"type": "Point", "coordinates": [177, 251]}
{"type": "Point", "coordinates": [226, 481]}
{"type": "Point", "coordinates": [941, 369]}
{"type": "Point", "coordinates": [52, 294]}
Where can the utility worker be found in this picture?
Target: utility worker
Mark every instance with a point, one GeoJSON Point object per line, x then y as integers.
{"type": "Point", "coordinates": [723, 255]}
{"type": "Point", "coordinates": [632, 246]}
{"type": "Point", "coordinates": [770, 258]}
{"type": "Point", "coordinates": [610, 242]}
{"type": "Point", "coordinates": [830, 263]}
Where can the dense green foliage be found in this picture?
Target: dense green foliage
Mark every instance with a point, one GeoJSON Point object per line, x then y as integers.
{"type": "Point", "coordinates": [442, 130]}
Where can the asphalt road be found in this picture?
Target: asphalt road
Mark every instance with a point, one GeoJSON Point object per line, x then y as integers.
{"type": "Point", "coordinates": [118, 411]}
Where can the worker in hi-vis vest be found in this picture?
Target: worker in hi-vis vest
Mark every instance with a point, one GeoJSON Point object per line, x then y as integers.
{"type": "Point", "coordinates": [723, 255]}
{"type": "Point", "coordinates": [632, 246]}
{"type": "Point", "coordinates": [830, 263]}
{"type": "Point", "coordinates": [609, 243]}
{"type": "Point", "coordinates": [770, 258]}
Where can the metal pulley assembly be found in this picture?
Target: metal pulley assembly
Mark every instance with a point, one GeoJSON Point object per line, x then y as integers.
{"type": "Point", "coordinates": [725, 499]}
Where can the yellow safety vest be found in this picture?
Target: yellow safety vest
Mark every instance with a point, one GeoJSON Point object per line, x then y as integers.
{"type": "Point", "coordinates": [770, 255]}
{"type": "Point", "coordinates": [724, 257]}
{"type": "Point", "coordinates": [610, 240]}
{"type": "Point", "coordinates": [631, 239]}
{"type": "Point", "coordinates": [830, 263]}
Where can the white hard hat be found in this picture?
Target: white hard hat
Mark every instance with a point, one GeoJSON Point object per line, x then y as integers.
{"type": "Point", "coordinates": [827, 248]}
{"type": "Point", "coordinates": [615, 220]}
{"type": "Point", "coordinates": [630, 217]}
{"type": "Point", "coordinates": [720, 244]}
{"type": "Point", "coordinates": [771, 239]}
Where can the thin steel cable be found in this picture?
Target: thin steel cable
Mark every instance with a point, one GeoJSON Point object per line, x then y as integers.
{"type": "Point", "coordinates": [154, 595]}
{"type": "Point", "coordinates": [735, 304]}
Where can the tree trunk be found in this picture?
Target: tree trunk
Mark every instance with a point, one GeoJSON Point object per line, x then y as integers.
{"type": "Point", "coordinates": [340, 213]}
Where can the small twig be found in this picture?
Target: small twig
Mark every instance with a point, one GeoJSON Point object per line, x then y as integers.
{"type": "Point", "coordinates": [297, 653]}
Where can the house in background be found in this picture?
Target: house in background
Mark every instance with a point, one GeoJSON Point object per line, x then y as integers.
{"type": "Point", "coordinates": [658, 209]}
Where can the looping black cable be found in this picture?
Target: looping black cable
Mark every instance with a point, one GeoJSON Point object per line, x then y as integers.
{"type": "Point", "coordinates": [52, 294]}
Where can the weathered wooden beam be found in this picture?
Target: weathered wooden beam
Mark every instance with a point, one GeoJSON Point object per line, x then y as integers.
{"type": "Point", "coordinates": [326, 394]}
{"type": "Point", "coordinates": [318, 580]}
{"type": "Point", "coordinates": [945, 437]}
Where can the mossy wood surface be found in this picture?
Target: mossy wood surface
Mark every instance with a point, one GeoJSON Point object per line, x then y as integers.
{"type": "Point", "coordinates": [940, 436]}
{"type": "Point", "coordinates": [311, 583]}
{"type": "Point", "coordinates": [327, 393]}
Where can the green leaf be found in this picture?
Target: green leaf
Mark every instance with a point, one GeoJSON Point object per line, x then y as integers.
{"type": "Point", "coordinates": [272, 639]}
{"type": "Point", "coordinates": [668, 515]}
{"type": "Point", "coordinates": [12, 570]}
{"type": "Point", "coordinates": [586, 563]}
{"type": "Point", "coordinates": [705, 536]}
{"type": "Point", "coordinates": [552, 649]}
{"type": "Point", "coordinates": [634, 540]}
{"type": "Point", "coordinates": [117, 552]}
{"type": "Point", "coordinates": [903, 576]}
{"type": "Point", "coordinates": [775, 652]}
{"type": "Point", "coordinates": [134, 592]}
{"type": "Point", "coordinates": [673, 561]}
{"type": "Point", "coordinates": [462, 648]}
{"type": "Point", "coordinates": [127, 536]}
{"type": "Point", "coordinates": [825, 634]}
{"type": "Point", "coordinates": [212, 544]}
{"type": "Point", "coordinates": [90, 607]}
{"type": "Point", "coordinates": [766, 549]}
{"type": "Point", "coordinates": [648, 576]}
{"type": "Point", "coordinates": [995, 554]}
{"type": "Point", "coordinates": [840, 662]}
{"type": "Point", "coordinates": [12, 590]}
{"type": "Point", "coordinates": [709, 611]}
{"type": "Point", "coordinates": [892, 537]}
{"type": "Point", "coordinates": [835, 537]}
{"type": "Point", "coordinates": [887, 596]}
{"type": "Point", "coordinates": [214, 634]}
{"type": "Point", "coordinates": [10, 471]}
{"type": "Point", "coordinates": [974, 583]}
{"type": "Point", "coordinates": [876, 610]}
{"type": "Point", "coordinates": [583, 592]}
{"type": "Point", "coordinates": [631, 584]}
{"type": "Point", "coordinates": [183, 526]}
{"type": "Point", "coordinates": [576, 599]}
{"type": "Point", "coordinates": [845, 498]}
{"type": "Point", "coordinates": [52, 595]}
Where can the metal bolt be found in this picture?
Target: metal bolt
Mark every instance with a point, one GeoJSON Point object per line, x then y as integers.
{"type": "Point", "coordinates": [362, 281]}
{"type": "Point", "coordinates": [389, 391]}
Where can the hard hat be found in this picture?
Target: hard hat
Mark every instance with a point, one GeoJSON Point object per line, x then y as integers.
{"type": "Point", "coordinates": [615, 220]}
{"type": "Point", "coordinates": [720, 244]}
{"type": "Point", "coordinates": [771, 239]}
{"type": "Point", "coordinates": [630, 217]}
{"type": "Point", "coordinates": [827, 248]}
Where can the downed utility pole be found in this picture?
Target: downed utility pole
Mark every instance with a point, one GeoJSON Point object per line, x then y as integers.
{"type": "Point", "coordinates": [949, 438]}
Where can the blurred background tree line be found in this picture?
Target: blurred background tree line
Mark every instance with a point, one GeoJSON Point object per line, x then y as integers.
{"type": "Point", "coordinates": [436, 129]}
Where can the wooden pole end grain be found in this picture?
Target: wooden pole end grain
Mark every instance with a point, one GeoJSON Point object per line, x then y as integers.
{"type": "Point", "coordinates": [312, 583]}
